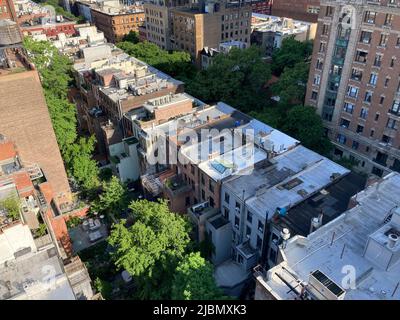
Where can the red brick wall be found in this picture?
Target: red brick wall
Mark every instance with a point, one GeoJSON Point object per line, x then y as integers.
{"type": "Point", "coordinates": [173, 110]}
{"type": "Point", "coordinates": [295, 9]}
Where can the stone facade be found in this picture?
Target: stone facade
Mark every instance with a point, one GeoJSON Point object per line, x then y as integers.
{"type": "Point", "coordinates": [354, 81]}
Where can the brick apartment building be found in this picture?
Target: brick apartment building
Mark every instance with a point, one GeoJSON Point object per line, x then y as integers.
{"type": "Point", "coordinates": [117, 22]}
{"type": "Point", "coordinates": [208, 24]}
{"type": "Point", "coordinates": [26, 122]}
{"type": "Point", "coordinates": [263, 7]}
{"type": "Point", "coordinates": [354, 81]}
{"type": "Point", "coordinates": [7, 10]}
{"type": "Point", "coordinates": [303, 10]}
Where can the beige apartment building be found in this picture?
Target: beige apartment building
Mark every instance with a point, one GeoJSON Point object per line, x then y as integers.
{"type": "Point", "coordinates": [157, 21]}
{"type": "Point", "coordinates": [354, 81]}
{"type": "Point", "coordinates": [191, 27]}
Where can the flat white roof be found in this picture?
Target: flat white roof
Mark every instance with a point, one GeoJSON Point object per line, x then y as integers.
{"type": "Point", "coordinates": [312, 172]}
{"type": "Point", "coordinates": [350, 233]}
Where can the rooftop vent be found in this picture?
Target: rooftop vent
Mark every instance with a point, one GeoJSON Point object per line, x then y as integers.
{"type": "Point", "coordinates": [323, 288]}
{"type": "Point", "coordinates": [393, 240]}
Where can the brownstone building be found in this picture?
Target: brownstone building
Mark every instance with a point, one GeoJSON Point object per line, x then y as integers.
{"type": "Point", "coordinates": [354, 81]}
{"type": "Point", "coordinates": [116, 22]}
{"type": "Point", "coordinates": [304, 10]}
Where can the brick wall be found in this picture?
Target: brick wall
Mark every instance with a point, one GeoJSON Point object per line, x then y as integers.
{"type": "Point", "coordinates": [25, 120]}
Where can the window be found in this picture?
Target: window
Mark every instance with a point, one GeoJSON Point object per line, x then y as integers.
{"type": "Point", "coordinates": [355, 145]}
{"type": "Point", "coordinates": [368, 96]}
{"type": "Point", "coordinates": [352, 91]}
{"type": "Point", "coordinates": [392, 124]}
{"type": "Point", "coordinates": [364, 113]}
{"type": "Point", "coordinates": [373, 79]}
{"type": "Point", "coordinates": [187, 201]}
{"type": "Point", "coordinates": [237, 222]}
{"type": "Point", "coordinates": [211, 186]}
{"type": "Point", "coordinates": [366, 37]}
{"type": "Point", "coordinates": [398, 42]}
{"type": "Point", "coordinates": [260, 226]}
{"type": "Point", "coordinates": [392, 62]}
{"type": "Point", "coordinates": [341, 138]}
{"type": "Point", "coordinates": [381, 99]}
{"type": "Point", "coordinates": [226, 213]}
{"type": "Point", "coordinates": [388, 19]}
{"type": "Point", "coordinates": [249, 217]}
{"type": "Point", "coordinates": [322, 47]}
{"type": "Point", "coordinates": [376, 117]}
{"type": "Point", "coordinates": [384, 39]}
{"type": "Point", "coordinates": [360, 129]}
{"type": "Point", "coordinates": [227, 197]}
{"type": "Point", "coordinates": [248, 231]}
{"type": "Point", "coordinates": [395, 107]}
{"type": "Point", "coordinates": [386, 139]}
{"type": "Point", "coordinates": [314, 95]}
{"type": "Point", "coordinates": [319, 64]}
{"type": "Point", "coordinates": [361, 56]}
{"type": "Point", "coordinates": [237, 205]}
{"type": "Point", "coordinates": [387, 80]}
{"type": "Point", "coordinates": [202, 180]}
{"type": "Point", "coordinates": [203, 195]}
{"type": "Point", "coordinates": [378, 60]}
{"type": "Point", "coordinates": [212, 202]}
{"type": "Point", "coordinates": [317, 79]}
{"type": "Point", "coordinates": [356, 74]}
{"type": "Point", "coordinates": [325, 29]}
{"type": "Point", "coordinates": [370, 17]}
{"type": "Point", "coordinates": [344, 123]}
{"type": "Point", "coordinates": [329, 11]}
{"type": "Point", "coordinates": [348, 107]}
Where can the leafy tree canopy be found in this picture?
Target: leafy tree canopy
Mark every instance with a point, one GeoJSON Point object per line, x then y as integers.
{"type": "Point", "coordinates": [114, 197]}
{"type": "Point", "coordinates": [290, 53]}
{"type": "Point", "coordinates": [237, 78]}
{"type": "Point", "coordinates": [132, 36]}
{"type": "Point", "coordinates": [292, 84]}
{"type": "Point", "coordinates": [151, 248]}
{"type": "Point", "coordinates": [176, 64]}
{"type": "Point", "coordinates": [194, 280]}
{"type": "Point", "coordinates": [304, 124]}
{"type": "Point", "coordinates": [12, 206]}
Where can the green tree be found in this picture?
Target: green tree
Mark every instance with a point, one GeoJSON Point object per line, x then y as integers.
{"type": "Point", "coordinates": [105, 174]}
{"type": "Point", "coordinates": [194, 280]}
{"type": "Point", "coordinates": [292, 84]}
{"type": "Point", "coordinates": [42, 230]}
{"type": "Point", "coordinates": [304, 124]}
{"type": "Point", "coordinates": [55, 73]}
{"type": "Point", "coordinates": [104, 287]}
{"type": "Point", "coordinates": [132, 36]}
{"type": "Point", "coordinates": [12, 206]}
{"type": "Point", "coordinates": [289, 54]}
{"type": "Point", "coordinates": [176, 64]}
{"type": "Point", "coordinates": [151, 248]}
{"type": "Point", "coordinates": [114, 197]}
{"type": "Point", "coordinates": [237, 78]}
